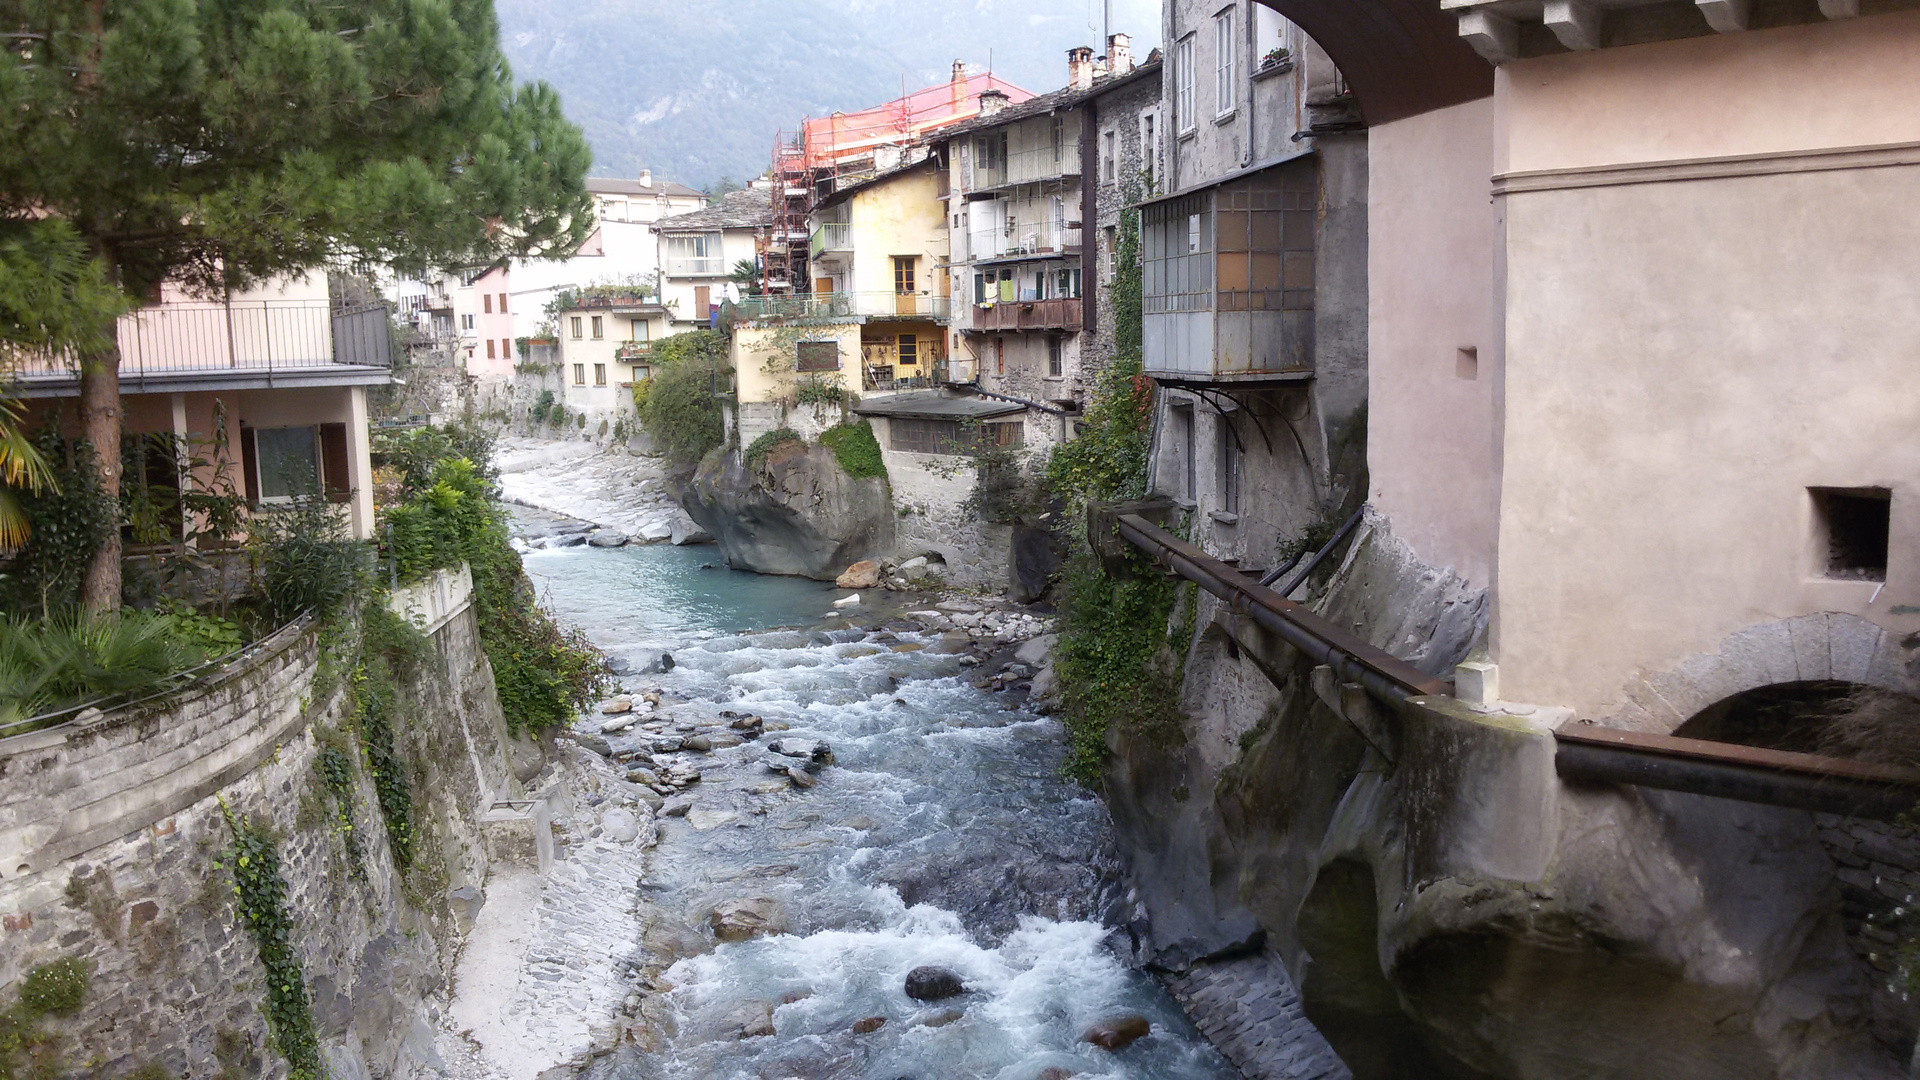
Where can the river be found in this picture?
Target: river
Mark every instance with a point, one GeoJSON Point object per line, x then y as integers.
{"type": "Point", "coordinates": [941, 834]}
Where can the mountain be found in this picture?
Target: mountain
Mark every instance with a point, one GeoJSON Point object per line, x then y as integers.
{"type": "Point", "coordinates": [698, 89]}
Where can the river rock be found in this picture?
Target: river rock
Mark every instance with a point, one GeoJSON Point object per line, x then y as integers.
{"type": "Point", "coordinates": [801, 777]}
{"type": "Point", "coordinates": [746, 917]}
{"type": "Point", "coordinates": [931, 983]}
{"type": "Point", "coordinates": [616, 725]}
{"type": "Point", "coordinates": [848, 601]}
{"type": "Point", "coordinates": [941, 1018]}
{"type": "Point", "coordinates": [748, 1020]}
{"type": "Point", "coordinates": [1117, 1033]}
{"type": "Point", "coordinates": [655, 531]}
{"type": "Point", "coordinates": [676, 807]}
{"type": "Point", "coordinates": [620, 825]}
{"type": "Point", "coordinates": [702, 743]}
{"type": "Point", "coordinates": [812, 751]}
{"type": "Point", "coordinates": [688, 531]}
{"type": "Point", "coordinates": [667, 744]}
{"type": "Point", "coordinates": [658, 665]}
{"type": "Point", "coordinates": [616, 706]}
{"type": "Point", "coordinates": [465, 902]}
{"type": "Point", "coordinates": [869, 1025]}
{"type": "Point", "coordinates": [1035, 652]}
{"type": "Point", "coordinates": [864, 574]}
{"type": "Point", "coordinates": [596, 744]}
{"type": "Point", "coordinates": [643, 776]}
{"type": "Point", "coordinates": [796, 512]}
{"type": "Point", "coordinates": [608, 539]}
{"type": "Point", "coordinates": [914, 565]}
{"type": "Point", "coordinates": [747, 723]}
{"type": "Point", "coordinates": [708, 820]}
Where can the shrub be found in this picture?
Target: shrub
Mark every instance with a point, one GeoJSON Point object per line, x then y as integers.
{"type": "Point", "coordinates": [765, 444]}
{"type": "Point", "coordinates": [55, 664]}
{"type": "Point", "coordinates": [855, 448]}
{"type": "Point", "coordinates": [682, 406]}
{"type": "Point", "coordinates": [537, 412]}
{"type": "Point", "coordinates": [71, 518]}
{"type": "Point", "coordinates": [57, 988]}
{"type": "Point", "coordinates": [306, 561]}
{"type": "Point", "coordinates": [818, 391]}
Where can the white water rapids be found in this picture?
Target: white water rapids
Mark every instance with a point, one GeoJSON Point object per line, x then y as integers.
{"type": "Point", "coordinates": [942, 834]}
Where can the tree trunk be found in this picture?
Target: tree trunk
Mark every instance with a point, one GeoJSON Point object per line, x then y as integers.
{"type": "Point", "coordinates": [100, 423]}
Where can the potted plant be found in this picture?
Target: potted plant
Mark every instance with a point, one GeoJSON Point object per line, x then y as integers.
{"type": "Point", "coordinates": [1275, 57]}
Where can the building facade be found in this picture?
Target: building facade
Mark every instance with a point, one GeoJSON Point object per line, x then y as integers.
{"type": "Point", "coordinates": [606, 346]}
{"type": "Point", "coordinates": [699, 252]}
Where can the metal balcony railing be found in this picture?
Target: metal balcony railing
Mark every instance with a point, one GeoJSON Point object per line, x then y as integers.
{"type": "Point", "coordinates": [846, 305]}
{"type": "Point", "coordinates": [831, 236]}
{"type": "Point", "coordinates": [261, 335]}
{"type": "Point", "coordinates": [1038, 238]}
{"type": "Point", "coordinates": [633, 350]}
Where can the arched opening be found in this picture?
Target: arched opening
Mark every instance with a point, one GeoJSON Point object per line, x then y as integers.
{"type": "Point", "coordinates": [1401, 57]}
{"type": "Point", "coordinates": [1874, 861]}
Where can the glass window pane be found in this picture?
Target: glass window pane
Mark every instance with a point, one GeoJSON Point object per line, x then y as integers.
{"type": "Point", "coordinates": [287, 461]}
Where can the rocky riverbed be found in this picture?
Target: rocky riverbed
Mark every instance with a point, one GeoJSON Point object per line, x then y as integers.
{"type": "Point", "coordinates": [789, 807]}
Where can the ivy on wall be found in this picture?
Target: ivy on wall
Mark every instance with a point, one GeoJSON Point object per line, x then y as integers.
{"type": "Point", "coordinates": [260, 895]}
{"type": "Point", "coordinates": [335, 766]}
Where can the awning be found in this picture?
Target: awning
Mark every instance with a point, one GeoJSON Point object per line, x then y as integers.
{"type": "Point", "coordinates": [934, 405]}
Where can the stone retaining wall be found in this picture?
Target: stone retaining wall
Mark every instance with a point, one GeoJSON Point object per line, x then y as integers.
{"type": "Point", "coordinates": [112, 829]}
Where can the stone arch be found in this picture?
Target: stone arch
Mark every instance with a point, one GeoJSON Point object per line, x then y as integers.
{"type": "Point", "coordinates": [1829, 647]}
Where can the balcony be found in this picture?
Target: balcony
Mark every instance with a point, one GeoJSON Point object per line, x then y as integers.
{"type": "Point", "coordinates": [846, 305]}
{"type": "Point", "coordinates": [1059, 314]}
{"type": "Point", "coordinates": [1037, 240]}
{"type": "Point", "coordinates": [630, 351]}
{"type": "Point", "coordinates": [685, 266]}
{"type": "Point", "coordinates": [1029, 166]}
{"type": "Point", "coordinates": [831, 236]}
{"type": "Point", "coordinates": [251, 343]}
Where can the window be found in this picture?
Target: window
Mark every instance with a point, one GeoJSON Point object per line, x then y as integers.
{"type": "Point", "coordinates": [1109, 166]}
{"type": "Point", "coordinates": [1066, 284]}
{"type": "Point", "coordinates": [1223, 73]}
{"type": "Point", "coordinates": [573, 324]}
{"type": "Point", "coordinates": [903, 274]}
{"type": "Point", "coordinates": [579, 374]}
{"type": "Point", "coordinates": [909, 350]}
{"type": "Point", "coordinates": [503, 303]}
{"type": "Point", "coordinates": [1110, 245]}
{"type": "Point", "coordinates": [466, 322]}
{"type": "Point", "coordinates": [1852, 526]}
{"type": "Point", "coordinates": [287, 462]}
{"type": "Point", "coordinates": [486, 302]}
{"type": "Point", "coordinates": [1149, 150]}
{"type": "Point", "coordinates": [1054, 364]}
{"type": "Point", "coordinates": [979, 288]}
{"type": "Point", "coordinates": [506, 348]}
{"type": "Point", "coordinates": [599, 327]}
{"type": "Point", "coordinates": [599, 374]}
{"type": "Point", "coordinates": [1059, 137]}
{"type": "Point", "coordinates": [639, 330]}
{"type": "Point", "coordinates": [1228, 462]}
{"type": "Point", "coordinates": [1193, 234]}
{"type": "Point", "coordinates": [817, 356]}
{"type": "Point", "coordinates": [1176, 269]}
{"type": "Point", "coordinates": [489, 348]}
{"type": "Point", "coordinates": [1183, 84]}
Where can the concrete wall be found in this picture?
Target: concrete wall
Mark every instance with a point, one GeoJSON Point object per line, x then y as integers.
{"type": "Point", "coordinates": [1689, 352]}
{"type": "Point", "coordinates": [1433, 267]}
{"type": "Point", "coordinates": [110, 828]}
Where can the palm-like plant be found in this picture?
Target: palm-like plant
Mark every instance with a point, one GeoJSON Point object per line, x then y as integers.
{"type": "Point", "coordinates": [21, 467]}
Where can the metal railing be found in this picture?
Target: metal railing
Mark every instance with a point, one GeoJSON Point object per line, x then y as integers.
{"type": "Point", "coordinates": [633, 350]}
{"type": "Point", "coordinates": [1039, 238]}
{"type": "Point", "coordinates": [831, 236]}
{"type": "Point", "coordinates": [845, 305]}
{"type": "Point", "coordinates": [262, 335]}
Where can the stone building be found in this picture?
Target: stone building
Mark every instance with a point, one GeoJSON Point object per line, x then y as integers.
{"type": "Point", "coordinates": [1604, 311]}
{"type": "Point", "coordinates": [1129, 166]}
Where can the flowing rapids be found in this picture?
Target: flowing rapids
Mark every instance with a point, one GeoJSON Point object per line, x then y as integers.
{"type": "Point", "coordinates": [941, 834]}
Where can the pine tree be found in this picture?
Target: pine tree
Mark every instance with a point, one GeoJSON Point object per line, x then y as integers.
{"type": "Point", "coordinates": [214, 143]}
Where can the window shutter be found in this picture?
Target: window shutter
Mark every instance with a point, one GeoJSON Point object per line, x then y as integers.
{"type": "Point", "coordinates": [334, 467]}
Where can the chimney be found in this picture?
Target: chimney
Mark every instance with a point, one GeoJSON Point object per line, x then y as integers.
{"type": "Point", "coordinates": [1119, 54]}
{"type": "Point", "coordinates": [959, 85]}
{"type": "Point", "coordinates": [1080, 67]}
{"type": "Point", "coordinates": [646, 178]}
{"type": "Point", "coordinates": [992, 101]}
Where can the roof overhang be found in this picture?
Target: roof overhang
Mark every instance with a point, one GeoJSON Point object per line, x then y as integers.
{"type": "Point", "coordinates": [1401, 57]}
{"type": "Point", "coordinates": [933, 405]}
{"type": "Point", "coordinates": [214, 380]}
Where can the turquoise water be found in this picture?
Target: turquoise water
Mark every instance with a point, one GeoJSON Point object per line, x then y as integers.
{"type": "Point", "coordinates": [656, 596]}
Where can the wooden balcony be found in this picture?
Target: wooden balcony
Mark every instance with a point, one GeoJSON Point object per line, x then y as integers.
{"type": "Point", "coordinates": [1059, 314]}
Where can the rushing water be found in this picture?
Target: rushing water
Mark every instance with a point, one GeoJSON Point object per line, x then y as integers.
{"type": "Point", "coordinates": [942, 834]}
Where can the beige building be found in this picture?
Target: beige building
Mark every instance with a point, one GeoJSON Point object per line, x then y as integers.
{"type": "Point", "coordinates": [606, 346]}
{"type": "Point", "coordinates": [699, 251]}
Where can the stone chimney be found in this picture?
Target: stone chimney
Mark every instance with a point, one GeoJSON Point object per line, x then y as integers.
{"type": "Point", "coordinates": [646, 178]}
{"type": "Point", "coordinates": [1119, 54]}
{"type": "Point", "coordinates": [992, 101]}
{"type": "Point", "coordinates": [959, 85]}
{"type": "Point", "coordinates": [1080, 67]}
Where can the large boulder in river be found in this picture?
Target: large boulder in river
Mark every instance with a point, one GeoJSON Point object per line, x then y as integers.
{"type": "Point", "coordinates": [795, 512]}
{"type": "Point", "coordinates": [930, 983]}
{"type": "Point", "coordinates": [1117, 1033]}
{"type": "Point", "coordinates": [688, 531]}
{"type": "Point", "coordinates": [864, 574]}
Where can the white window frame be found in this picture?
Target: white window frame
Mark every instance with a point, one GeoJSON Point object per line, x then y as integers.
{"type": "Point", "coordinates": [1224, 91]}
{"type": "Point", "coordinates": [1149, 147]}
{"type": "Point", "coordinates": [1109, 156]}
{"type": "Point", "coordinates": [1183, 84]}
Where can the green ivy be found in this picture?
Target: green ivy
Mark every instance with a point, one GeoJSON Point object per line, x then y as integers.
{"type": "Point", "coordinates": [260, 894]}
{"type": "Point", "coordinates": [855, 448]}
{"type": "Point", "coordinates": [335, 767]}
{"type": "Point", "coordinates": [681, 405]}
{"type": "Point", "coordinates": [71, 518]}
{"type": "Point", "coordinates": [1118, 661]}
